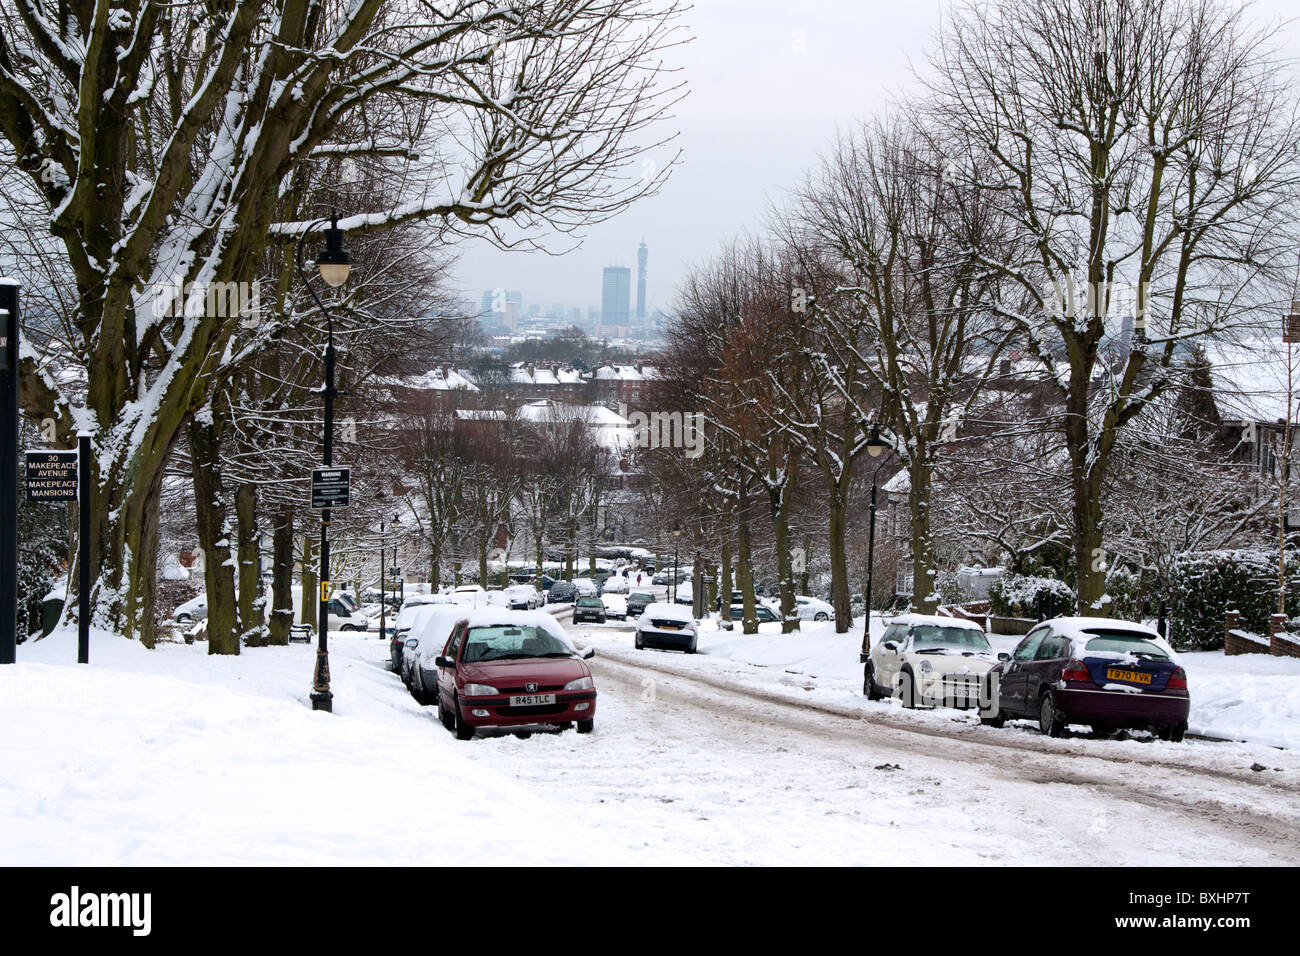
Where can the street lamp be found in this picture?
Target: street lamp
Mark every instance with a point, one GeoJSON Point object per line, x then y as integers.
{"type": "Point", "coordinates": [334, 264]}
{"type": "Point", "coordinates": [876, 446]}
{"type": "Point", "coordinates": [677, 533]}
{"type": "Point", "coordinates": [383, 578]}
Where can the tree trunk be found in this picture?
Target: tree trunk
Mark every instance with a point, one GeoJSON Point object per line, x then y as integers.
{"type": "Point", "coordinates": [924, 599]}
{"type": "Point", "coordinates": [435, 565]}
{"type": "Point", "coordinates": [838, 554]}
{"type": "Point", "coordinates": [744, 569]}
{"type": "Point", "coordinates": [725, 585]}
{"type": "Point", "coordinates": [310, 579]}
{"type": "Point", "coordinates": [214, 536]}
{"type": "Point", "coordinates": [282, 578]}
{"type": "Point", "coordinates": [252, 602]}
{"type": "Point", "coordinates": [779, 502]}
{"type": "Point", "coordinates": [807, 561]}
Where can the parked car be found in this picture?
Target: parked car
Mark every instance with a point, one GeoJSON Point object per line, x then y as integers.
{"type": "Point", "coordinates": [638, 601]}
{"type": "Point", "coordinates": [928, 660]}
{"type": "Point", "coordinates": [502, 668]}
{"type": "Point", "coordinates": [345, 616]}
{"type": "Point", "coordinates": [615, 606]}
{"type": "Point", "coordinates": [417, 606]}
{"type": "Point", "coordinates": [589, 610]}
{"type": "Point", "coordinates": [616, 584]}
{"type": "Point", "coordinates": [684, 593]}
{"type": "Point", "coordinates": [586, 587]}
{"type": "Point", "coordinates": [193, 610]}
{"type": "Point", "coordinates": [431, 631]}
{"type": "Point", "coordinates": [667, 625]}
{"type": "Point", "coordinates": [812, 609]}
{"type": "Point", "coordinates": [561, 592]}
{"type": "Point", "coordinates": [764, 613]}
{"type": "Point", "coordinates": [524, 597]}
{"type": "Point", "coordinates": [1105, 673]}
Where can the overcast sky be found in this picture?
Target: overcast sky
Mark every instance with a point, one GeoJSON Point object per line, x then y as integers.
{"type": "Point", "coordinates": [769, 82]}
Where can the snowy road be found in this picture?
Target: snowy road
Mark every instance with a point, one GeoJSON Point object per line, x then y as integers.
{"type": "Point", "coordinates": [752, 776]}
{"type": "Point", "coordinates": [172, 756]}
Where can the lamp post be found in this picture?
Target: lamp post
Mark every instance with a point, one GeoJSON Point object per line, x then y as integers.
{"type": "Point", "coordinates": [677, 533]}
{"type": "Point", "coordinates": [334, 264]}
{"type": "Point", "coordinates": [875, 447]}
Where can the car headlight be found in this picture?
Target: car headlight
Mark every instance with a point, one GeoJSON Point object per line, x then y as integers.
{"type": "Point", "coordinates": [480, 690]}
{"type": "Point", "coordinates": [582, 683]}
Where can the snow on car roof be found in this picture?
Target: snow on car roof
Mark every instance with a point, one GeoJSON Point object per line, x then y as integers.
{"type": "Point", "coordinates": [452, 615]}
{"type": "Point", "coordinates": [1080, 630]}
{"type": "Point", "coordinates": [935, 619]}
{"type": "Point", "coordinates": [671, 612]}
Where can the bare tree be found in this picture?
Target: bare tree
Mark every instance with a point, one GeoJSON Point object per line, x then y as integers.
{"type": "Point", "coordinates": [159, 136]}
{"type": "Point", "coordinates": [1141, 145]}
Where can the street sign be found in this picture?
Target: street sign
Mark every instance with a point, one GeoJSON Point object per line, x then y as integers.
{"type": "Point", "coordinates": [329, 487]}
{"type": "Point", "coordinates": [51, 476]}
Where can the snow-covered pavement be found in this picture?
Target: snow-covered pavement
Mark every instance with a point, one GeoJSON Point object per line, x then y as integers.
{"type": "Point", "coordinates": [172, 756]}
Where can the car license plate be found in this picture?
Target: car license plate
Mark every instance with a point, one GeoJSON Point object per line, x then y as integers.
{"type": "Point", "coordinates": [670, 627]}
{"type": "Point", "coordinates": [1133, 677]}
{"type": "Point", "coordinates": [531, 700]}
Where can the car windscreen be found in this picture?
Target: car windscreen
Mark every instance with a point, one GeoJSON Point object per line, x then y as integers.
{"type": "Point", "coordinates": [639, 597]}
{"type": "Point", "coordinates": [590, 602]}
{"type": "Point", "coordinates": [1125, 642]}
{"type": "Point", "coordinates": [962, 638]}
{"type": "Point", "coordinates": [505, 642]}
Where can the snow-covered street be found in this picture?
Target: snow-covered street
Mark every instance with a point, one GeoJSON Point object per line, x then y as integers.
{"type": "Point", "coordinates": [173, 756]}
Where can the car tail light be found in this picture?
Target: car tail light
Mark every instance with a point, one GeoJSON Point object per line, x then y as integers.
{"type": "Point", "coordinates": [1178, 680]}
{"type": "Point", "coordinates": [1077, 671]}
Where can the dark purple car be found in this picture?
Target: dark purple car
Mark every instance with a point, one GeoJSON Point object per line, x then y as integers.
{"type": "Point", "coordinates": [1086, 670]}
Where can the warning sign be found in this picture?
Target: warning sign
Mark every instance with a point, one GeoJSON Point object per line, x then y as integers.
{"type": "Point", "coordinates": [329, 487]}
{"type": "Point", "coordinates": [51, 476]}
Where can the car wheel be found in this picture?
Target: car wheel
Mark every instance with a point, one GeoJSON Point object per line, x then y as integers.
{"type": "Point", "coordinates": [691, 649]}
{"type": "Point", "coordinates": [444, 715]}
{"type": "Point", "coordinates": [869, 683]}
{"type": "Point", "coordinates": [821, 616]}
{"type": "Point", "coordinates": [640, 646]}
{"type": "Point", "coordinates": [907, 690]}
{"type": "Point", "coordinates": [1050, 721]}
{"type": "Point", "coordinates": [586, 726]}
{"type": "Point", "coordinates": [464, 731]}
{"type": "Point", "coordinates": [347, 627]}
{"type": "Point", "coordinates": [183, 619]}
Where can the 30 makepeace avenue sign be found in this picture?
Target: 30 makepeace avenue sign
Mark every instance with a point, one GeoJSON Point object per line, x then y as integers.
{"type": "Point", "coordinates": [51, 476]}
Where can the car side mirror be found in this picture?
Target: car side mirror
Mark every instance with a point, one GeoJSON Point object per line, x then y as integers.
{"type": "Point", "coordinates": [442, 661]}
{"type": "Point", "coordinates": [1004, 656]}
{"type": "Point", "coordinates": [890, 646]}
{"type": "Point", "coordinates": [589, 653]}
{"type": "Point", "coordinates": [412, 642]}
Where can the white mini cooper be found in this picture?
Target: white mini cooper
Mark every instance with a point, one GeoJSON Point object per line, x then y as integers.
{"type": "Point", "coordinates": [928, 660]}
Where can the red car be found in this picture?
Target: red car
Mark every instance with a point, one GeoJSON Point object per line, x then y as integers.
{"type": "Point", "coordinates": [1105, 673]}
{"type": "Point", "coordinates": [503, 668]}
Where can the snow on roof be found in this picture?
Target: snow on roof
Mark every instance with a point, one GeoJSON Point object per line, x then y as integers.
{"type": "Point", "coordinates": [626, 373]}
{"type": "Point", "coordinates": [609, 428]}
{"type": "Point", "coordinates": [480, 415]}
{"type": "Point", "coordinates": [436, 379]}
{"type": "Point", "coordinates": [1250, 379]}
{"type": "Point", "coordinates": [1080, 630]}
{"type": "Point", "coordinates": [449, 616]}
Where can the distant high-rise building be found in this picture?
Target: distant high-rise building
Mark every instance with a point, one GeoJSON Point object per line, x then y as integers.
{"type": "Point", "coordinates": [642, 254]}
{"type": "Point", "coordinates": [492, 307]}
{"type": "Point", "coordinates": [616, 294]}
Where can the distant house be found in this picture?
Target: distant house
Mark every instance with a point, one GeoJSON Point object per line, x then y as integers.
{"type": "Point", "coordinates": [628, 385]}
{"type": "Point", "coordinates": [1250, 397]}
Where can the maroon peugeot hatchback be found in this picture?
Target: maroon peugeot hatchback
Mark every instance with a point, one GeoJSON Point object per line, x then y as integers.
{"type": "Point", "coordinates": [504, 668]}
